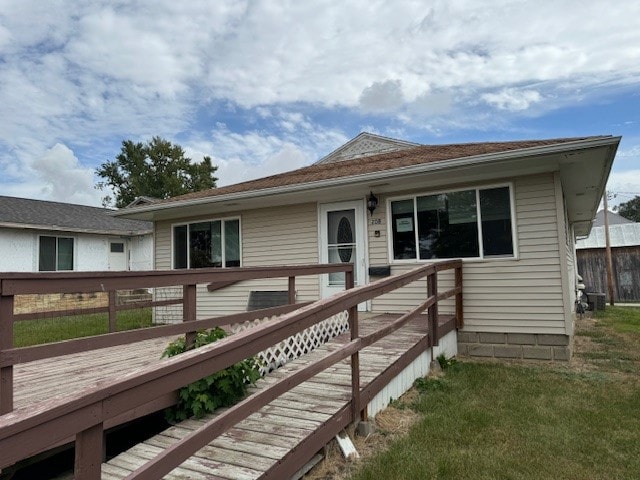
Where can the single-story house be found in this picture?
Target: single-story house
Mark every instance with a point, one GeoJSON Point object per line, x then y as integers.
{"type": "Point", "coordinates": [511, 210]}
{"type": "Point", "coordinates": [38, 235]}
{"type": "Point", "coordinates": [624, 240]}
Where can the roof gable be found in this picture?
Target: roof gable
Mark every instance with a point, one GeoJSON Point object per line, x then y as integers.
{"type": "Point", "coordinates": [366, 144]}
{"type": "Point", "coordinates": [43, 215]}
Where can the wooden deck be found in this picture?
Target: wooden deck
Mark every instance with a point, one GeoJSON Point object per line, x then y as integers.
{"type": "Point", "coordinates": [258, 446]}
{"type": "Point", "coordinates": [73, 391]}
{"type": "Point", "coordinates": [59, 376]}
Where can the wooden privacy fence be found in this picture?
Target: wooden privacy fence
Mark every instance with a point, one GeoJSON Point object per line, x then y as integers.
{"type": "Point", "coordinates": [83, 415]}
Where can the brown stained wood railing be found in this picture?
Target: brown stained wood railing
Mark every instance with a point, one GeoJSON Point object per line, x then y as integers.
{"type": "Point", "coordinates": [13, 284]}
{"type": "Point", "coordinates": [83, 414]}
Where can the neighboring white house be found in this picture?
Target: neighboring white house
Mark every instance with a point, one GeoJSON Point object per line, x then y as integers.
{"type": "Point", "coordinates": [37, 235]}
{"type": "Point", "coordinates": [511, 210]}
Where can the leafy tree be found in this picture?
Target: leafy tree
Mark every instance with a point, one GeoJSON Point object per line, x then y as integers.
{"type": "Point", "coordinates": [156, 169]}
{"type": "Point", "coordinates": [631, 209]}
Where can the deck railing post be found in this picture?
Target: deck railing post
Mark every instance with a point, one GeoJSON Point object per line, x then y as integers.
{"type": "Point", "coordinates": [6, 342]}
{"type": "Point", "coordinates": [432, 313]}
{"type": "Point", "coordinates": [292, 290]}
{"type": "Point", "coordinates": [357, 413]}
{"type": "Point", "coordinates": [189, 312]}
{"type": "Point", "coordinates": [112, 311]}
{"type": "Point", "coordinates": [459, 310]}
{"type": "Point", "coordinates": [90, 453]}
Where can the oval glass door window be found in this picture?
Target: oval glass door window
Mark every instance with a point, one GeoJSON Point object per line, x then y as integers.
{"type": "Point", "coordinates": [345, 235]}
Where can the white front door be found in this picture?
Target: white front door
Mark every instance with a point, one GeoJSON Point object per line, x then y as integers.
{"type": "Point", "coordinates": [117, 255]}
{"type": "Point", "coordinates": [342, 240]}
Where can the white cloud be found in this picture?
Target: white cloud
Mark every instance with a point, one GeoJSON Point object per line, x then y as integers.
{"type": "Point", "coordinates": [88, 72]}
{"type": "Point", "coordinates": [432, 104]}
{"type": "Point", "coordinates": [633, 152]}
{"type": "Point", "coordinates": [63, 179]}
{"type": "Point", "coordinates": [254, 154]}
{"type": "Point", "coordinates": [512, 99]}
{"type": "Point", "coordinates": [625, 184]}
{"type": "Point", "coordinates": [382, 97]}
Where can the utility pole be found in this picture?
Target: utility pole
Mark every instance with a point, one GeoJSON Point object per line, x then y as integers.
{"type": "Point", "coordinates": [610, 280]}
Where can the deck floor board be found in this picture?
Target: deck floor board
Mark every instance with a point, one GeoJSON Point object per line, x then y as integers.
{"type": "Point", "coordinates": [254, 445]}
{"type": "Point", "coordinates": [284, 423]}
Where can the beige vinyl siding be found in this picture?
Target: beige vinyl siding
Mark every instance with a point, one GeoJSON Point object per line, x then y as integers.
{"type": "Point", "coordinates": [274, 236]}
{"type": "Point", "coordinates": [522, 295]}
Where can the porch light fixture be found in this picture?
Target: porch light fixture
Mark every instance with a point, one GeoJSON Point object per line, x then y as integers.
{"type": "Point", "coordinates": [372, 202]}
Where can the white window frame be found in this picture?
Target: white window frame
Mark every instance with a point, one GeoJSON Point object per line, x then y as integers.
{"type": "Point", "coordinates": [222, 239]}
{"type": "Point", "coordinates": [477, 188]}
{"type": "Point", "coordinates": [58, 237]}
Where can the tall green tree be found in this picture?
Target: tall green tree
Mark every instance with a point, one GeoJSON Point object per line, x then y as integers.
{"type": "Point", "coordinates": [630, 209]}
{"type": "Point", "coordinates": [157, 169]}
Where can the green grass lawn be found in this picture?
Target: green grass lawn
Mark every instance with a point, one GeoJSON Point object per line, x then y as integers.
{"type": "Point", "coordinates": [506, 421]}
{"type": "Point", "coordinates": [35, 332]}
{"type": "Point", "coordinates": [621, 319]}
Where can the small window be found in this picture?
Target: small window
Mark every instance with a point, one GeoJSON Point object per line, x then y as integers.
{"type": "Point", "coordinates": [474, 223]}
{"type": "Point", "coordinates": [495, 209]}
{"type": "Point", "coordinates": [117, 248]}
{"type": "Point", "coordinates": [55, 253]}
{"type": "Point", "coordinates": [207, 244]}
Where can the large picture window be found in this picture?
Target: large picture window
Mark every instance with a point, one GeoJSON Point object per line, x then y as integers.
{"type": "Point", "coordinates": [207, 244]}
{"type": "Point", "coordinates": [473, 223]}
{"type": "Point", "coordinates": [55, 253]}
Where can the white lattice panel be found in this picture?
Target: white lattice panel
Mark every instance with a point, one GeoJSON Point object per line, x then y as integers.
{"type": "Point", "coordinates": [298, 344]}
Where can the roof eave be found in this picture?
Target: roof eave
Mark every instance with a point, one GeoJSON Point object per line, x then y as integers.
{"type": "Point", "coordinates": [62, 228]}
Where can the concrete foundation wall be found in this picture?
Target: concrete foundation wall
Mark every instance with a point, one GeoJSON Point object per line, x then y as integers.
{"type": "Point", "coordinates": [529, 346]}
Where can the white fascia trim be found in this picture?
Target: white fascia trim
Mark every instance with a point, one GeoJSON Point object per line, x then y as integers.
{"type": "Point", "coordinates": [375, 176]}
{"type": "Point", "coordinates": [58, 228]}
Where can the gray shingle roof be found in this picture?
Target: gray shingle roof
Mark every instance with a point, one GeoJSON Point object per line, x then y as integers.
{"type": "Point", "coordinates": [614, 219]}
{"type": "Point", "coordinates": [42, 215]}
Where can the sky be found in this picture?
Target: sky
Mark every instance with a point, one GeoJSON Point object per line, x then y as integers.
{"type": "Point", "coordinates": [264, 87]}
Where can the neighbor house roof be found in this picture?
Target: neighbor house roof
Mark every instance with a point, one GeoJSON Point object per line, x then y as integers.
{"type": "Point", "coordinates": [26, 213]}
{"type": "Point", "coordinates": [620, 235]}
{"type": "Point", "coordinates": [612, 217]}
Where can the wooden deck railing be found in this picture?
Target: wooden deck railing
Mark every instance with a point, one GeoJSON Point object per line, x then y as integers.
{"type": "Point", "coordinates": [83, 415]}
{"type": "Point", "coordinates": [13, 285]}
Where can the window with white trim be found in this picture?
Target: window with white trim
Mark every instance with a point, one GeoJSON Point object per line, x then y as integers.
{"type": "Point", "coordinates": [213, 243]}
{"type": "Point", "coordinates": [473, 223]}
{"type": "Point", "coordinates": [55, 253]}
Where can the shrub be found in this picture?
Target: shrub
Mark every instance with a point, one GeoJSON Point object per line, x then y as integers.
{"type": "Point", "coordinates": [221, 389]}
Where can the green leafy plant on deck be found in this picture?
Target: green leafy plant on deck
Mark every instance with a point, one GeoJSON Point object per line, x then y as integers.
{"type": "Point", "coordinates": [221, 389]}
